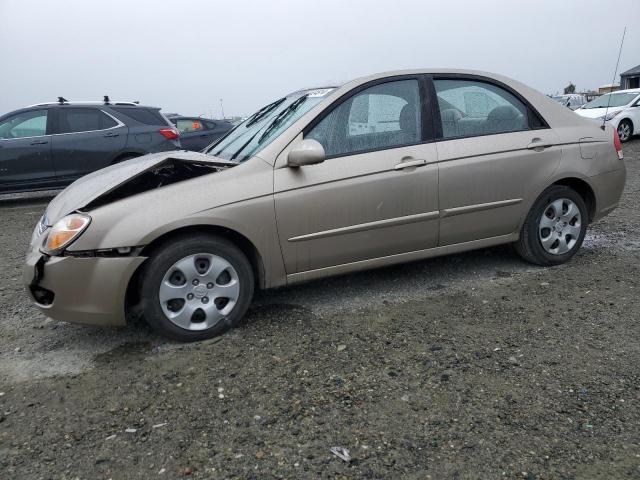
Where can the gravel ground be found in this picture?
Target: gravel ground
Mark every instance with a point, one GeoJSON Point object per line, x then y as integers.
{"type": "Point", "coordinates": [469, 366]}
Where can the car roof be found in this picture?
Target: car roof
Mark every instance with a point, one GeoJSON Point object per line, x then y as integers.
{"type": "Point", "coordinates": [92, 103]}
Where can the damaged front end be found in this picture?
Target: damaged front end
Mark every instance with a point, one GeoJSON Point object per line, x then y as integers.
{"type": "Point", "coordinates": [132, 177]}
{"type": "Point", "coordinates": [75, 278]}
{"type": "Point", "coordinates": [166, 173]}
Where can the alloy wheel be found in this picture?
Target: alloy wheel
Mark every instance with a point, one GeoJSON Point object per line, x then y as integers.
{"type": "Point", "coordinates": [624, 131]}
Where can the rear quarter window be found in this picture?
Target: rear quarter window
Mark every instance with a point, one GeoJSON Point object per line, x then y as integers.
{"type": "Point", "coordinates": [147, 116]}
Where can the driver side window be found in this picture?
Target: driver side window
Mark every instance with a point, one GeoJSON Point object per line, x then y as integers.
{"type": "Point", "coordinates": [383, 116]}
{"type": "Point", "coordinates": [26, 124]}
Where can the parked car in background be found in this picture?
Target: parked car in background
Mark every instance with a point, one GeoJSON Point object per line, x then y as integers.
{"type": "Point", "coordinates": [620, 109]}
{"type": "Point", "coordinates": [197, 133]}
{"type": "Point", "coordinates": [49, 145]}
{"type": "Point", "coordinates": [571, 100]}
{"type": "Point", "coordinates": [386, 169]}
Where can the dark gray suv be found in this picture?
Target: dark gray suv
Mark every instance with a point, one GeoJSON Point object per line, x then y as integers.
{"type": "Point", "coordinates": [49, 145]}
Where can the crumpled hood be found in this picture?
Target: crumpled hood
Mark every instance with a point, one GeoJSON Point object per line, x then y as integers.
{"type": "Point", "coordinates": [597, 112]}
{"type": "Point", "coordinates": [89, 188]}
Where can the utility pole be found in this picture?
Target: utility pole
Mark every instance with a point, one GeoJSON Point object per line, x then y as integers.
{"type": "Point", "coordinates": [222, 108]}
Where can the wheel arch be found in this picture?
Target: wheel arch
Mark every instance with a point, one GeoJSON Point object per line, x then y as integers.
{"type": "Point", "coordinates": [242, 242]}
{"type": "Point", "coordinates": [584, 190]}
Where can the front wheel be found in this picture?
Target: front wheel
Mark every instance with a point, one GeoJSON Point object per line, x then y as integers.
{"type": "Point", "coordinates": [625, 130]}
{"type": "Point", "coordinates": [554, 228]}
{"type": "Point", "coordinates": [195, 288]}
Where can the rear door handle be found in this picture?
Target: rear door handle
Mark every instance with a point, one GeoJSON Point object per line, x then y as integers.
{"type": "Point", "coordinates": [108, 135]}
{"type": "Point", "coordinates": [539, 144]}
{"type": "Point", "coordinates": [39, 142]}
{"type": "Point", "coordinates": [409, 162]}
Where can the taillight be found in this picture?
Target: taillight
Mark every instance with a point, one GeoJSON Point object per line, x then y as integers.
{"type": "Point", "coordinates": [170, 133]}
{"type": "Point", "coordinates": [617, 144]}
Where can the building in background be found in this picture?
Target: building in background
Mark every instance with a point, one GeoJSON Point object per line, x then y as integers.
{"type": "Point", "coordinates": [610, 87]}
{"type": "Point", "coordinates": [630, 78]}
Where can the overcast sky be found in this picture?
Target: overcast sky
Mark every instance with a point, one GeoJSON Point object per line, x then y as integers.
{"type": "Point", "coordinates": [185, 55]}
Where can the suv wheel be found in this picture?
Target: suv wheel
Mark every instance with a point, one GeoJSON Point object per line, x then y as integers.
{"type": "Point", "coordinates": [196, 288]}
{"type": "Point", "coordinates": [554, 228]}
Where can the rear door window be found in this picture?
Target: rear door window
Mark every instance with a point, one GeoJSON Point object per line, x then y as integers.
{"type": "Point", "coordinates": [189, 125]}
{"type": "Point", "coordinates": [26, 124]}
{"type": "Point", "coordinates": [76, 120]}
{"type": "Point", "coordinates": [470, 108]}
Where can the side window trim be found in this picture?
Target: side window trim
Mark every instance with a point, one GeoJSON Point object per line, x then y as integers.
{"type": "Point", "coordinates": [112, 117]}
{"type": "Point", "coordinates": [531, 111]}
{"type": "Point", "coordinates": [427, 130]}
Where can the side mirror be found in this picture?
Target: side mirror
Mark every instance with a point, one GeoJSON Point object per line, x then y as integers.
{"type": "Point", "coordinates": [307, 152]}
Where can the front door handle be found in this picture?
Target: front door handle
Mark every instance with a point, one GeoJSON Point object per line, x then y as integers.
{"type": "Point", "coordinates": [39, 142]}
{"type": "Point", "coordinates": [538, 144]}
{"type": "Point", "coordinates": [109, 135]}
{"type": "Point", "coordinates": [409, 162]}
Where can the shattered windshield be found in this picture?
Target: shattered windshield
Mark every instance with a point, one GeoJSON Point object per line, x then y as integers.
{"type": "Point", "coordinates": [264, 126]}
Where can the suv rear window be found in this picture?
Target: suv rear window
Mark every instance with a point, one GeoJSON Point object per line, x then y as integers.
{"type": "Point", "coordinates": [148, 116]}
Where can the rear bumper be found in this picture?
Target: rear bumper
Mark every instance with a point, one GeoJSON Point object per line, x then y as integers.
{"type": "Point", "coordinates": [608, 188]}
{"type": "Point", "coordinates": [80, 290]}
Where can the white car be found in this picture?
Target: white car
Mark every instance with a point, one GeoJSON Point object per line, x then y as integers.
{"type": "Point", "coordinates": [623, 111]}
{"type": "Point", "coordinates": [570, 100]}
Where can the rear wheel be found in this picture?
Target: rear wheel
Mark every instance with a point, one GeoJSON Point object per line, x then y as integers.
{"type": "Point", "coordinates": [625, 130]}
{"type": "Point", "coordinates": [554, 228]}
{"type": "Point", "coordinates": [196, 288]}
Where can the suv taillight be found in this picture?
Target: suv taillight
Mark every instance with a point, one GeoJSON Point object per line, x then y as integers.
{"type": "Point", "coordinates": [617, 144]}
{"type": "Point", "coordinates": [170, 133]}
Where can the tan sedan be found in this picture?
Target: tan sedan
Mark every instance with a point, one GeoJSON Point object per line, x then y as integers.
{"type": "Point", "coordinates": [385, 169]}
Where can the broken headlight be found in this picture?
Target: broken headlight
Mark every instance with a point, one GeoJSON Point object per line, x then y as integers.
{"type": "Point", "coordinates": [65, 231]}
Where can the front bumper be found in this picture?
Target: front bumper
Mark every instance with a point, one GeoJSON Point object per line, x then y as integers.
{"type": "Point", "coordinates": [87, 290]}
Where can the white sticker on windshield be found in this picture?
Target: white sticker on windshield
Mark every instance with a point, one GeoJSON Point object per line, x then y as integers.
{"type": "Point", "coordinates": [321, 92]}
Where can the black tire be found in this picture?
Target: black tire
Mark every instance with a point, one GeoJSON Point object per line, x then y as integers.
{"type": "Point", "coordinates": [625, 123]}
{"type": "Point", "coordinates": [529, 245]}
{"type": "Point", "coordinates": [165, 257]}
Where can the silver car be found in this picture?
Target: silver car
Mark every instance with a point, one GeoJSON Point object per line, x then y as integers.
{"type": "Point", "coordinates": [385, 169]}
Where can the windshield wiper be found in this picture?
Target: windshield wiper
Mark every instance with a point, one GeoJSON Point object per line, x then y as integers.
{"type": "Point", "coordinates": [244, 145]}
{"type": "Point", "coordinates": [256, 117]}
{"type": "Point", "coordinates": [274, 123]}
{"type": "Point", "coordinates": [260, 114]}
{"type": "Point", "coordinates": [281, 116]}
